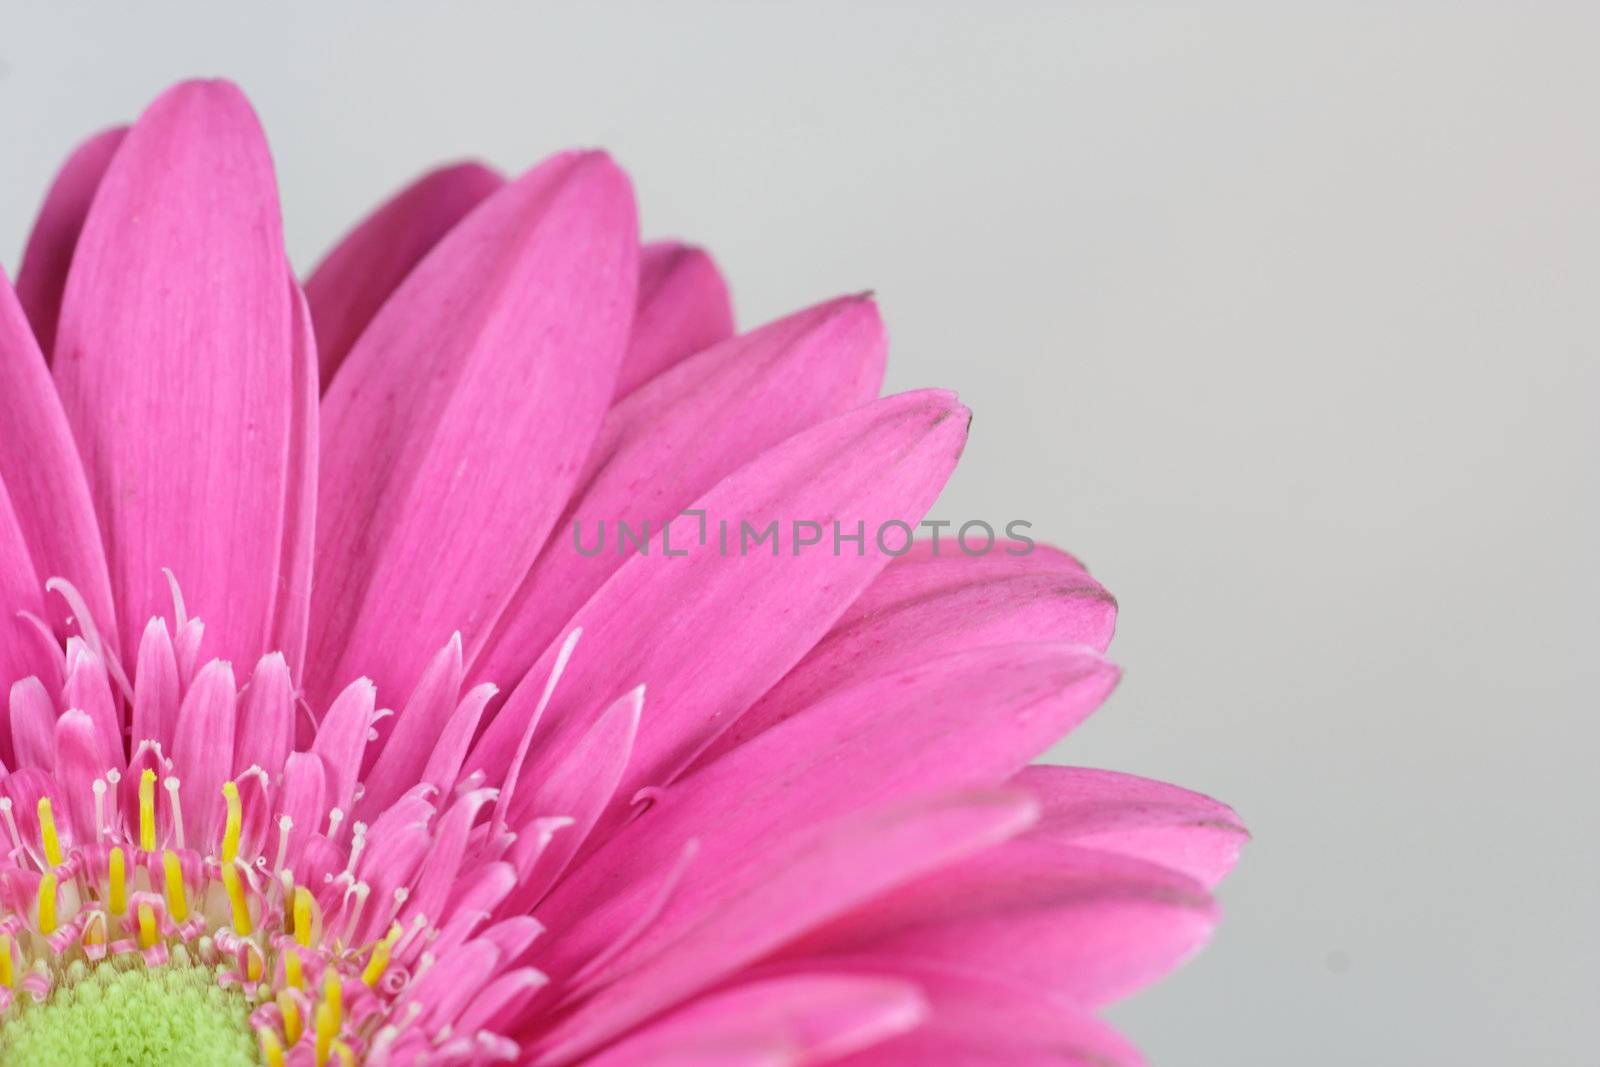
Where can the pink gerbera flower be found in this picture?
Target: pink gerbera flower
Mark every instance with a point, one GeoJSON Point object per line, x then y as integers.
{"type": "Point", "coordinates": [674, 800]}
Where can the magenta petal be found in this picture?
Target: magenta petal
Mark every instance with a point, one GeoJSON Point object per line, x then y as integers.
{"type": "Point", "coordinates": [292, 606]}
{"type": "Point", "coordinates": [930, 603]}
{"type": "Point", "coordinates": [728, 914]}
{"type": "Point", "coordinates": [33, 718]}
{"type": "Point", "coordinates": [202, 751]}
{"type": "Point", "coordinates": [766, 609]}
{"type": "Point", "coordinates": [683, 308]}
{"type": "Point", "coordinates": [417, 729]}
{"type": "Point", "coordinates": [1087, 926]}
{"type": "Point", "coordinates": [369, 263]}
{"type": "Point", "coordinates": [42, 277]}
{"type": "Point", "coordinates": [41, 471]}
{"type": "Point", "coordinates": [675, 438]}
{"type": "Point", "coordinates": [1137, 817]}
{"type": "Point", "coordinates": [966, 720]}
{"type": "Point", "coordinates": [975, 1022]}
{"type": "Point", "coordinates": [454, 435]}
{"type": "Point", "coordinates": [266, 720]}
{"type": "Point", "coordinates": [20, 590]}
{"type": "Point", "coordinates": [174, 365]}
{"type": "Point", "coordinates": [789, 1021]}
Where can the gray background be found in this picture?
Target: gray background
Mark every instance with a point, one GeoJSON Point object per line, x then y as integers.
{"type": "Point", "coordinates": [1284, 321]}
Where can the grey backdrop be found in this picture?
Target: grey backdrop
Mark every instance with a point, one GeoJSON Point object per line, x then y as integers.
{"type": "Point", "coordinates": [1284, 321]}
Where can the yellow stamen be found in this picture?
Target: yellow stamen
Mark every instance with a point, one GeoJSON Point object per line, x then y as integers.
{"type": "Point", "coordinates": [380, 957]}
{"type": "Point", "coordinates": [118, 898]}
{"type": "Point", "coordinates": [230, 833]}
{"type": "Point", "coordinates": [47, 905]}
{"type": "Point", "coordinates": [291, 972]}
{"type": "Point", "coordinates": [94, 933]}
{"type": "Point", "coordinates": [333, 994]}
{"type": "Point", "coordinates": [327, 1028]}
{"type": "Point", "coordinates": [302, 915]}
{"type": "Point", "coordinates": [347, 1058]}
{"type": "Point", "coordinates": [6, 975]}
{"type": "Point", "coordinates": [47, 830]}
{"type": "Point", "coordinates": [177, 896]}
{"type": "Point", "coordinates": [271, 1047]}
{"type": "Point", "coordinates": [293, 1025]}
{"type": "Point", "coordinates": [147, 810]}
{"type": "Point", "coordinates": [241, 909]}
{"type": "Point", "coordinates": [148, 933]}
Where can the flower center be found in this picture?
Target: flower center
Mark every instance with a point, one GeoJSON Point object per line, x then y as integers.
{"type": "Point", "coordinates": [122, 1012]}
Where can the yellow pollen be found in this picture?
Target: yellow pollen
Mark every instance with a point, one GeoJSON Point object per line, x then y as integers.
{"type": "Point", "coordinates": [7, 978]}
{"type": "Point", "coordinates": [327, 1027]}
{"type": "Point", "coordinates": [347, 1057]}
{"type": "Point", "coordinates": [147, 810]}
{"type": "Point", "coordinates": [302, 915]}
{"type": "Point", "coordinates": [241, 910]}
{"type": "Point", "coordinates": [271, 1047]}
{"type": "Point", "coordinates": [293, 1025]}
{"type": "Point", "coordinates": [95, 932]}
{"type": "Point", "coordinates": [47, 830]}
{"type": "Point", "coordinates": [177, 897]}
{"type": "Point", "coordinates": [380, 957]}
{"type": "Point", "coordinates": [292, 975]}
{"type": "Point", "coordinates": [148, 934]}
{"type": "Point", "coordinates": [333, 994]}
{"type": "Point", "coordinates": [230, 834]}
{"type": "Point", "coordinates": [47, 905]}
{"type": "Point", "coordinates": [117, 900]}
{"type": "Point", "coordinates": [254, 962]}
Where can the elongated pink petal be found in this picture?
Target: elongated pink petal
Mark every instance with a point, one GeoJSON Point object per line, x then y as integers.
{"type": "Point", "coordinates": [292, 605]}
{"type": "Point", "coordinates": [202, 751]}
{"type": "Point", "coordinates": [33, 717]}
{"type": "Point", "coordinates": [966, 720]}
{"type": "Point", "coordinates": [82, 755]}
{"type": "Point", "coordinates": [42, 277]}
{"type": "Point", "coordinates": [977, 1022]}
{"type": "Point", "coordinates": [156, 688]}
{"type": "Point", "coordinates": [1087, 926]}
{"type": "Point", "coordinates": [369, 263]}
{"type": "Point", "coordinates": [795, 1020]}
{"type": "Point", "coordinates": [580, 788]}
{"type": "Point", "coordinates": [417, 729]}
{"type": "Point", "coordinates": [766, 609]}
{"type": "Point", "coordinates": [174, 365]}
{"type": "Point", "coordinates": [677, 437]}
{"type": "Point", "coordinates": [266, 721]}
{"type": "Point", "coordinates": [454, 438]}
{"type": "Point", "coordinates": [934, 601]}
{"type": "Point", "coordinates": [683, 308]}
{"type": "Point", "coordinates": [88, 687]}
{"type": "Point", "coordinates": [342, 738]}
{"type": "Point", "coordinates": [20, 590]}
{"type": "Point", "coordinates": [41, 472]}
{"type": "Point", "coordinates": [758, 906]}
{"type": "Point", "coordinates": [303, 801]}
{"type": "Point", "coordinates": [1137, 817]}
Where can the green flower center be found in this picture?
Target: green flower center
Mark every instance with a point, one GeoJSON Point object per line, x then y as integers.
{"type": "Point", "coordinates": [124, 1014]}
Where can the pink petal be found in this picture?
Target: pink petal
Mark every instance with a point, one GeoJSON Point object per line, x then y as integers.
{"type": "Point", "coordinates": [342, 738]}
{"type": "Point", "coordinates": [791, 1021]}
{"type": "Point", "coordinates": [303, 800]}
{"type": "Point", "coordinates": [729, 914]}
{"type": "Point", "coordinates": [677, 437]}
{"type": "Point", "coordinates": [1089, 927]}
{"type": "Point", "coordinates": [41, 472]}
{"type": "Point", "coordinates": [33, 720]}
{"type": "Point", "coordinates": [929, 603]}
{"type": "Point", "coordinates": [292, 607]}
{"type": "Point", "coordinates": [454, 436]}
{"type": "Point", "coordinates": [369, 263]}
{"type": "Point", "coordinates": [682, 309]}
{"type": "Point", "coordinates": [156, 688]}
{"type": "Point", "coordinates": [202, 751]}
{"type": "Point", "coordinates": [175, 369]}
{"type": "Point", "coordinates": [20, 590]}
{"type": "Point", "coordinates": [266, 721]}
{"type": "Point", "coordinates": [82, 755]}
{"type": "Point", "coordinates": [976, 1022]}
{"type": "Point", "coordinates": [416, 731]}
{"type": "Point", "coordinates": [1137, 817]}
{"type": "Point", "coordinates": [764, 610]}
{"type": "Point", "coordinates": [966, 720]}
{"type": "Point", "coordinates": [43, 274]}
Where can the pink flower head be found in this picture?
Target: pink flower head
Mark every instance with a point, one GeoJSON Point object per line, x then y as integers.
{"type": "Point", "coordinates": [333, 739]}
